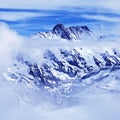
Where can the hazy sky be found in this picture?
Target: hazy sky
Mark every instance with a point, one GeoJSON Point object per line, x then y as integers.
{"type": "Point", "coordinates": [52, 4]}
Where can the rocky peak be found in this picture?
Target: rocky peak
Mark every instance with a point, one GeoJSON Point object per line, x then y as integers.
{"type": "Point", "coordinates": [61, 31]}
{"type": "Point", "coordinates": [58, 27]}
{"type": "Point", "coordinates": [85, 28]}
{"type": "Point", "coordinates": [68, 33]}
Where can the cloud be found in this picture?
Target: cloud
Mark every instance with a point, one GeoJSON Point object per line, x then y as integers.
{"type": "Point", "coordinates": [15, 16]}
{"type": "Point", "coordinates": [10, 42]}
{"type": "Point", "coordinates": [92, 106]}
{"type": "Point", "coordinates": [102, 18]}
{"type": "Point", "coordinates": [55, 4]}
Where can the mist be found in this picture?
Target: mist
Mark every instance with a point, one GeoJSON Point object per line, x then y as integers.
{"type": "Point", "coordinates": [21, 103]}
{"type": "Point", "coordinates": [92, 106]}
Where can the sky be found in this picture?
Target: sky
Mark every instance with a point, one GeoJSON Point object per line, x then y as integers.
{"type": "Point", "coordinates": [42, 15]}
{"type": "Point", "coordinates": [55, 4]}
{"type": "Point", "coordinates": [35, 21]}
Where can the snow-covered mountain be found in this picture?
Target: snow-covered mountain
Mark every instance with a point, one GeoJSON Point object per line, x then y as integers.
{"type": "Point", "coordinates": [67, 64]}
{"type": "Point", "coordinates": [69, 33]}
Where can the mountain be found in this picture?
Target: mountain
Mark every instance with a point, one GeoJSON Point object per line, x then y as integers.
{"type": "Point", "coordinates": [70, 33]}
{"type": "Point", "coordinates": [66, 67]}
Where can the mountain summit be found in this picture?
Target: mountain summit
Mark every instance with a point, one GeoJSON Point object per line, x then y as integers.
{"type": "Point", "coordinates": [68, 33]}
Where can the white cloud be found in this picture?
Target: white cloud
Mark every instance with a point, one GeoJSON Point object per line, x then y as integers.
{"type": "Point", "coordinates": [14, 16]}
{"type": "Point", "coordinates": [10, 42]}
{"type": "Point", "coordinates": [92, 106]}
{"type": "Point", "coordinates": [102, 17]}
{"type": "Point", "coordinates": [52, 4]}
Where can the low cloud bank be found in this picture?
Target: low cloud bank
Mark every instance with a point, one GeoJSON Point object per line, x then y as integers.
{"type": "Point", "coordinates": [95, 106]}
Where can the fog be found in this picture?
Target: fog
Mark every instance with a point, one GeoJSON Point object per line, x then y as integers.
{"type": "Point", "coordinates": [92, 106]}
{"type": "Point", "coordinates": [20, 103]}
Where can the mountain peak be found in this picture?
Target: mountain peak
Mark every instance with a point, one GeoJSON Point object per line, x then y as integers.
{"type": "Point", "coordinates": [58, 26]}
{"type": "Point", "coordinates": [68, 33]}
{"type": "Point", "coordinates": [85, 28]}
{"type": "Point", "coordinates": [61, 31]}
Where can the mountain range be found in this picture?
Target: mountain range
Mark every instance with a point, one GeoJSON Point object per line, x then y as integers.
{"type": "Point", "coordinates": [75, 67]}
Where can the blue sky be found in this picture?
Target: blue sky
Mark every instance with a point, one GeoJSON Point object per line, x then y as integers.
{"type": "Point", "coordinates": [55, 4]}
{"type": "Point", "coordinates": [29, 17]}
